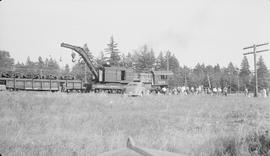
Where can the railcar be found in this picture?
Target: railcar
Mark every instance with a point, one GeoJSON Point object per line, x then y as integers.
{"type": "Point", "coordinates": [42, 84]}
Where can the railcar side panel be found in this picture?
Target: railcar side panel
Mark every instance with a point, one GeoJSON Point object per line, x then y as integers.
{"type": "Point", "coordinates": [20, 84]}
{"type": "Point", "coordinates": [45, 85]}
{"type": "Point", "coordinates": [54, 85]}
{"type": "Point", "coordinates": [37, 85]}
{"type": "Point", "coordinates": [41, 84]}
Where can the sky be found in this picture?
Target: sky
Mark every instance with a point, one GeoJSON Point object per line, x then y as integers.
{"type": "Point", "coordinates": [196, 31]}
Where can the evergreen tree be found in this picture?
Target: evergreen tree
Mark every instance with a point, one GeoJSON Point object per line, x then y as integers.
{"type": "Point", "coordinates": [40, 62]}
{"type": "Point", "coordinates": [29, 62]}
{"type": "Point", "coordinates": [66, 70]}
{"type": "Point", "coordinates": [78, 71]}
{"type": "Point", "coordinates": [40, 65]}
{"type": "Point", "coordinates": [245, 74]}
{"type": "Point", "coordinates": [208, 79]}
{"type": "Point", "coordinates": [88, 52]}
{"type": "Point", "coordinates": [216, 78]}
{"type": "Point", "coordinates": [263, 74]}
{"type": "Point", "coordinates": [217, 68]}
{"type": "Point", "coordinates": [89, 55]}
{"type": "Point", "coordinates": [167, 58]}
{"type": "Point", "coordinates": [175, 68]}
{"type": "Point", "coordinates": [30, 67]}
{"type": "Point", "coordinates": [130, 60]}
{"type": "Point", "coordinates": [145, 59]}
{"type": "Point", "coordinates": [52, 67]}
{"type": "Point", "coordinates": [20, 68]}
{"type": "Point", "coordinates": [101, 60]}
{"type": "Point", "coordinates": [113, 52]}
{"type": "Point", "coordinates": [122, 60]}
{"type": "Point", "coordinates": [6, 62]}
{"type": "Point", "coordinates": [185, 76]}
{"type": "Point", "coordinates": [200, 75]}
{"type": "Point", "coordinates": [161, 62]}
{"type": "Point", "coordinates": [152, 59]}
{"type": "Point", "coordinates": [174, 64]}
{"type": "Point", "coordinates": [231, 77]}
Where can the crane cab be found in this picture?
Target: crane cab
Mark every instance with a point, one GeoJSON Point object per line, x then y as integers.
{"type": "Point", "coordinates": [116, 75]}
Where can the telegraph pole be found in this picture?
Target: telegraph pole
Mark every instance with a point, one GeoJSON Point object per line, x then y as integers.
{"type": "Point", "coordinates": [254, 52]}
{"type": "Point", "coordinates": [85, 76]}
{"type": "Point", "coordinates": [209, 83]}
{"type": "Point", "coordinates": [185, 79]}
{"type": "Point", "coordinates": [238, 81]}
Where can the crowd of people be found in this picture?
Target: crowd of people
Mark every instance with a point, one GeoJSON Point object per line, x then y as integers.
{"type": "Point", "coordinates": [190, 90]}
{"type": "Point", "coordinates": [184, 90]}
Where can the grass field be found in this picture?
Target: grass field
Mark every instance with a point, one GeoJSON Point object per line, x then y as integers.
{"type": "Point", "coordinates": [35, 123]}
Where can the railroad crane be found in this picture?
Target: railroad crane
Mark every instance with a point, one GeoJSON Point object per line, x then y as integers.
{"type": "Point", "coordinates": [114, 79]}
{"type": "Point", "coordinates": [109, 79]}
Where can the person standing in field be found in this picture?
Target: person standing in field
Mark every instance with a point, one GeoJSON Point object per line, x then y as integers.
{"type": "Point", "coordinates": [199, 89]}
{"type": "Point", "coordinates": [225, 91]}
{"type": "Point", "coordinates": [192, 90]}
{"type": "Point", "coordinates": [187, 90]}
{"type": "Point", "coordinates": [264, 93]}
{"type": "Point", "coordinates": [63, 87]}
{"type": "Point", "coordinates": [209, 91]}
{"type": "Point", "coordinates": [246, 92]}
{"type": "Point", "coordinates": [215, 91]}
{"type": "Point", "coordinates": [219, 91]}
{"type": "Point", "coordinates": [164, 90]}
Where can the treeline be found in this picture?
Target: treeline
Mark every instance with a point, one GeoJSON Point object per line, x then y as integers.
{"type": "Point", "coordinates": [142, 60]}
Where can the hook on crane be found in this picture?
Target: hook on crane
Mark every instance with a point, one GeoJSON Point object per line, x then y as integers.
{"type": "Point", "coordinates": [73, 55]}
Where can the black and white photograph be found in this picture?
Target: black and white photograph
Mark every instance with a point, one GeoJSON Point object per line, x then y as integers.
{"type": "Point", "coordinates": [134, 77]}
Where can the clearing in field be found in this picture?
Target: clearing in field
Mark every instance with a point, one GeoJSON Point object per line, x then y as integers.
{"type": "Point", "coordinates": [34, 123]}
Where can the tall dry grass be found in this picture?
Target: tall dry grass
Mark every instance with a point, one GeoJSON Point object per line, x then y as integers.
{"type": "Point", "coordinates": [38, 123]}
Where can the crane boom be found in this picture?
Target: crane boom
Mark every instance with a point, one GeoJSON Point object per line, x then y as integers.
{"type": "Point", "coordinates": [83, 54]}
